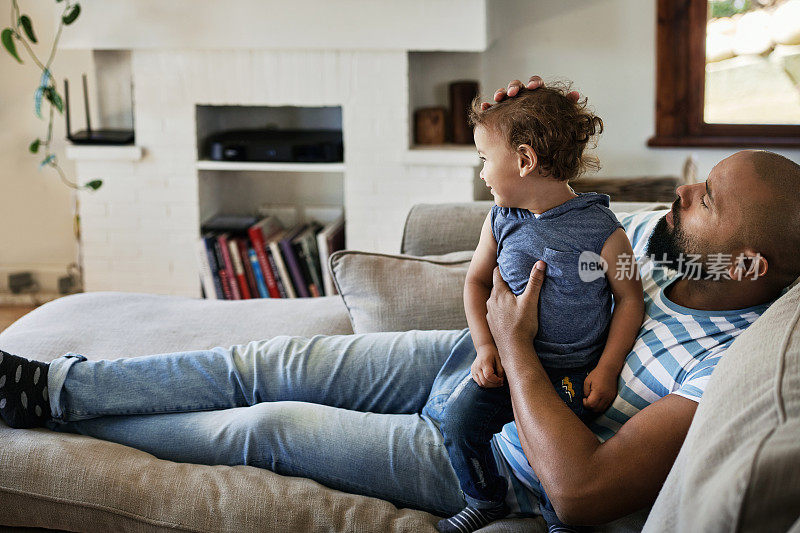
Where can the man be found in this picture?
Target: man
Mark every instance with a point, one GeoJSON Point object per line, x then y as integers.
{"type": "Point", "coordinates": [360, 413]}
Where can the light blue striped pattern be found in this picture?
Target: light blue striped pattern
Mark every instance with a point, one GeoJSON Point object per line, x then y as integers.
{"type": "Point", "coordinates": [675, 353]}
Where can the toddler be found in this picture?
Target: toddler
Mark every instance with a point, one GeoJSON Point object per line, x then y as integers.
{"type": "Point", "coordinates": [531, 146]}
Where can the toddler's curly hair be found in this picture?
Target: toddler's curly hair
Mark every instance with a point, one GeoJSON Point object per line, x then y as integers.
{"type": "Point", "coordinates": [555, 127]}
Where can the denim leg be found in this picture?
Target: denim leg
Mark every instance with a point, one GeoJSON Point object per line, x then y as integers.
{"type": "Point", "coordinates": [390, 372]}
{"type": "Point", "coordinates": [396, 457]}
{"type": "Point", "coordinates": [472, 415]}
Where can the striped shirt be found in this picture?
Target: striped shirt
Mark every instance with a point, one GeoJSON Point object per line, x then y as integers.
{"type": "Point", "coordinates": [674, 353]}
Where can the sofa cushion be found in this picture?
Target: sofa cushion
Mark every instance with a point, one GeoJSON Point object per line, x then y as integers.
{"type": "Point", "coordinates": [739, 468]}
{"type": "Point", "coordinates": [386, 292]}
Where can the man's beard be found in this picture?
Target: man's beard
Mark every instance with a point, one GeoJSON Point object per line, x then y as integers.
{"type": "Point", "coordinates": [670, 247]}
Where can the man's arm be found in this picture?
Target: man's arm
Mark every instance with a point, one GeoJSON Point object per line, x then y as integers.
{"type": "Point", "coordinates": [588, 482]}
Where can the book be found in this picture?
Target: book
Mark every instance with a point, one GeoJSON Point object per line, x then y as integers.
{"type": "Point", "coordinates": [307, 258]}
{"type": "Point", "coordinates": [274, 246]}
{"type": "Point", "coordinates": [238, 269]}
{"type": "Point", "coordinates": [260, 283]}
{"type": "Point", "coordinates": [313, 253]}
{"type": "Point", "coordinates": [292, 263]}
{"type": "Point", "coordinates": [242, 245]}
{"type": "Point", "coordinates": [329, 240]}
{"type": "Point", "coordinates": [207, 277]}
{"type": "Point", "coordinates": [276, 273]}
{"type": "Point", "coordinates": [221, 271]}
{"type": "Point", "coordinates": [258, 233]}
{"type": "Point", "coordinates": [304, 264]}
{"type": "Point", "coordinates": [222, 238]}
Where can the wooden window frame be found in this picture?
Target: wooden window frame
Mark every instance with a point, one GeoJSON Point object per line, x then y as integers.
{"type": "Point", "coordinates": [680, 87]}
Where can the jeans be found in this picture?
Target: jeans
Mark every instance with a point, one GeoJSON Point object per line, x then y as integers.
{"type": "Point", "coordinates": [357, 413]}
{"type": "Point", "coordinates": [474, 413]}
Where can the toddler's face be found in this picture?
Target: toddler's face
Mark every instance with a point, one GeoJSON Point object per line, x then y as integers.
{"type": "Point", "coordinates": [500, 167]}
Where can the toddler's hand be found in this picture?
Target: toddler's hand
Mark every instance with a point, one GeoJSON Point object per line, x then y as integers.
{"type": "Point", "coordinates": [486, 370]}
{"type": "Point", "coordinates": [599, 390]}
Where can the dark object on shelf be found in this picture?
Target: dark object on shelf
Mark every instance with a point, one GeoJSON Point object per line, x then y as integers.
{"type": "Point", "coordinates": [430, 126]}
{"type": "Point", "coordinates": [274, 145]}
{"type": "Point", "coordinates": [21, 281]}
{"type": "Point", "coordinates": [237, 224]}
{"type": "Point", "coordinates": [90, 136]}
{"type": "Point", "coordinates": [644, 189]}
{"type": "Point", "coordinates": [461, 95]}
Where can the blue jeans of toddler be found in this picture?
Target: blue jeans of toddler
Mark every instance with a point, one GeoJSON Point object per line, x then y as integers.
{"type": "Point", "coordinates": [473, 414]}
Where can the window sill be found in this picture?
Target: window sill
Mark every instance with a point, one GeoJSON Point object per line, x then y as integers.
{"type": "Point", "coordinates": [720, 141]}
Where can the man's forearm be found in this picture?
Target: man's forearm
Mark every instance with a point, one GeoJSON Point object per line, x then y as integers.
{"type": "Point", "coordinates": [557, 444]}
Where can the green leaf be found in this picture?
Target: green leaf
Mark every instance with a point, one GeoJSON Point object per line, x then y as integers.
{"type": "Point", "coordinates": [94, 184]}
{"type": "Point", "coordinates": [8, 42]}
{"type": "Point", "coordinates": [47, 160]}
{"type": "Point", "coordinates": [70, 17]}
{"type": "Point", "coordinates": [34, 147]}
{"type": "Point", "coordinates": [27, 25]}
{"type": "Point", "coordinates": [54, 98]}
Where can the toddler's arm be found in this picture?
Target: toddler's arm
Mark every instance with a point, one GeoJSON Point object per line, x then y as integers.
{"type": "Point", "coordinates": [600, 387]}
{"type": "Point", "coordinates": [478, 286]}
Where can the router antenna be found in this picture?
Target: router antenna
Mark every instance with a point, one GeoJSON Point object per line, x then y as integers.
{"type": "Point", "coordinates": [66, 102]}
{"type": "Point", "coordinates": [86, 106]}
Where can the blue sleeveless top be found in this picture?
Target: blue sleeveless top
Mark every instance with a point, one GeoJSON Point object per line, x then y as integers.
{"type": "Point", "coordinates": [574, 315]}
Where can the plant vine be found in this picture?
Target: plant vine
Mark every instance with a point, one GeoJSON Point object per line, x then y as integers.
{"type": "Point", "coordinates": [21, 31]}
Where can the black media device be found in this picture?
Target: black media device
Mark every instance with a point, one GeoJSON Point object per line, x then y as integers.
{"type": "Point", "coordinates": [276, 145]}
{"type": "Point", "coordinates": [90, 136]}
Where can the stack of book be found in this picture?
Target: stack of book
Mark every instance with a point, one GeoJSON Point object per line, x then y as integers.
{"type": "Point", "coordinates": [243, 257]}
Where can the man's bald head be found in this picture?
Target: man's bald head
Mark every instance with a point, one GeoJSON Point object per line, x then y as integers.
{"type": "Point", "coordinates": [773, 213]}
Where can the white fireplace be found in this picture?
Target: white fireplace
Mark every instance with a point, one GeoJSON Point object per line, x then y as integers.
{"type": "Point", "coordinates": [139, 230]}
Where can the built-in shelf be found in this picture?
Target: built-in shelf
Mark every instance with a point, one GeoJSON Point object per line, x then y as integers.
{"type": "Point", "coordinates": [245, 166]}
{"type": "Point", "coordinates": [104, 153]}
{"type": "Point", "coordinates": [442, 155]}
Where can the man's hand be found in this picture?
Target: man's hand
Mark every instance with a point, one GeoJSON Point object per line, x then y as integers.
{"type": "Point", "coordinates": [513, 319]}
{"type": "Point", "coordinates": [486, 370]}
{"type": "Point", "coordinates": [515, 85]}
{"type": "Point", "coordinates": [599, 389]}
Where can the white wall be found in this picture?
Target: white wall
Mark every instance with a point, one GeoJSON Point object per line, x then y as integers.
{"type": "Point", "coordinates": [607, 47]}
{"type": "Point", "coordinates": [311, 24]}
{"type": "Point", "coordinates": [35, 207]}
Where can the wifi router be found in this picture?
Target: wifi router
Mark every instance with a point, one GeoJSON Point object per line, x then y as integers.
{"type": "Point", "coordinates": [90, 136]}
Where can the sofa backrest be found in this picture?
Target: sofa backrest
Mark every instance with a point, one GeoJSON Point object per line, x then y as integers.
{"type": "Point", "coordinates": [437, 229]}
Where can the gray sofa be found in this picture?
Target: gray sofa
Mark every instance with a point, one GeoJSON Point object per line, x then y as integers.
{"type": "Point", "coordinates": [77, 483]}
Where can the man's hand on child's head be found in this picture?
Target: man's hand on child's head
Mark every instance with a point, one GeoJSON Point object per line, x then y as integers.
{"type": "Point", "coordinates": [514, 87]}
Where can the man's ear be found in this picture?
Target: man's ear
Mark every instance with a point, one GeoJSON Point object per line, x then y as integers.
{"type": "Point", "coordinates": [748, 264]}
{"type": "Point", "coordinates": [526, 160]}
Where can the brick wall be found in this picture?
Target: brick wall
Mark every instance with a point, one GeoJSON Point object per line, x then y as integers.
{"type": "Point", "coordinates": [140, 229]}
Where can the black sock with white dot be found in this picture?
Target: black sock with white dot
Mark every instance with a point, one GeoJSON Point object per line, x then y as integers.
{"type": "Point", "coordinates": [23, 391]}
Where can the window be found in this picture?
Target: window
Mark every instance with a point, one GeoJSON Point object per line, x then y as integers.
{"type": "Point", "coordinates": [700, 103]}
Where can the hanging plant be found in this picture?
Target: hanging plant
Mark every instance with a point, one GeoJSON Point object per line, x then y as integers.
{"type": "Point", "coordinates": [21, 33]}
